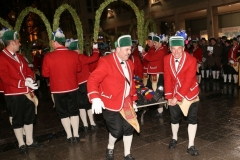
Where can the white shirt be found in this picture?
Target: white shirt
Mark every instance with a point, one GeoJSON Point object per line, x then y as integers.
{"type": "Point", "coordinates": [14, 55]}
{"type": "Point", "coordinates": [126, 74]}
{"type": "Point", "coordinates": [177, 61]}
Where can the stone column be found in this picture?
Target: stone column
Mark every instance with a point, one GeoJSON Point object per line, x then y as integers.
{"type": "Point", "coordinates": [212, 21]}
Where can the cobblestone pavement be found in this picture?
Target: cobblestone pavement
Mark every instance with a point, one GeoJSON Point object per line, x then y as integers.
{"type": "Point", "coordinates": [218, 134]}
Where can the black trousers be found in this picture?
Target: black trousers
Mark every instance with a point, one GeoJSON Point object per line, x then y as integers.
{"type": "Point", "coordinates": [176, 114]}
{"type": "Point", "coordinates": [116, 124]}
{"type": "Point", "coordinates": [21, 109]}
{"type": "Point", "coordinates": [83, 100]}
{"type": "Point", "coordinates": [66, 104]}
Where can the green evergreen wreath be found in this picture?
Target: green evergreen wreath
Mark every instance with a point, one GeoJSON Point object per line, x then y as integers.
{"type": "Point", "coordinates": [76, 19]}
{"type": "Point", "coordinates": [25, 12]}
{"type": "Point", "coordinates": [139, 15]}
{"type": "Point", "coordinates": [5, 23]}
{"type": "Point", "coordinates": [146, 30]}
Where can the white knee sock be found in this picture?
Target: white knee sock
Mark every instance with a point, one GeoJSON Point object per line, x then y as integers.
{"type": "Point", "coordinates": [19, 136]}
{"type": "Point", "coordinates": [111, 141]}
{"type": "Point", "coordinates": [67, 126]}
{"type": "Point", "coordinates": [235, 77]}
{"type": "Point", "coordinates": [229, 78]}
{"type": "Point", "coordinates": [214, 74]}
{"type": "Point", "coordinates": [192, 129]}
{"type": "Point", "coordinates": [83, 116]}
{"type": "Point", "coordinates": [202, 73]}
{"type": "Point", "coordinates": [90, 116]}
{"type": "Point", "coordinates": [225, 78]}
{"type": "Point", "coordinates": [175, 128]}
{"type": "Point", "coordinates": [160, 109]}
{"type": "Point", "coordinates": [29, 133]}
{"type": "Point", "coordinates": [217, 74]}
{"type": "Point", "coordinates": [75, 125]}
{"type": "Point", "coordinates": [199, 79]}
{"type": "Point", "coordinates": [127, 141]}
{"type": "Point", "coordinates": [207, 73]}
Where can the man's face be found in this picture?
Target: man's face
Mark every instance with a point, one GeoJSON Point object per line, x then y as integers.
{"type": "Point", "coordinates": [150, 43]}
{"type": "Point", "coordinates": [213, 42]}
{"type": "Point", "coordinates": [203, 41]}
{"type": "Point", "coordinates": [234, 43]}
{"type": "Point", "coordinates": [123, 52]}
{"type": "Point", "coordinates": [195, 45]}
{"type": "Point", "coordinates": [177, 51]}
{"type": "Point", "coordinates": [54, 44]}
{"type": "Point", "coordinates": [157, 45]}
{"type": "Point", "coordinates": [16, 45]}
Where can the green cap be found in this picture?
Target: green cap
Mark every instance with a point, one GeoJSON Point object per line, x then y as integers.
{"type": "Point", "coordinates": [10, 35]}
{"type": "Point", "coordinates": [58, 36]}
{"type": "Point", "coordinates": [157, 39]}
{"type": "Point", "coordinates": [124, 41]}
{"type": "Point", "coordinates": [134, 41]}
{"type": "Point", "coordinates": [176, 41]}
{"type": "Point", "coordinates": [74, 45]}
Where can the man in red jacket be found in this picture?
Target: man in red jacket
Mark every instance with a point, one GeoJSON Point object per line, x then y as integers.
{"type": "Point", "coordinates": [181, 89]}
{"type": "Point", "coordinates": [111, 87]}
{"type": "Point", "coordinates": [150, 50]}
{"type": "Point", "coordinates": [233, 54]}
{"type": "Point", "coordinates": [135, 57]}
{"type": "Point", "coordinates": [18, 83]}
{"type": "Point", "coordinates": [84, 104]}
{"type": "Point", "coordinates": [197, 53]}
{"type": "Point", "coordinates": [62, 66]}
{"type": "Point", "coordinates": [155, 67]}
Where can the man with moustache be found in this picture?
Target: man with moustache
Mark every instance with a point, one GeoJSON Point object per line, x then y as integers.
{"type": "Point", "coordinates": [111, 87]}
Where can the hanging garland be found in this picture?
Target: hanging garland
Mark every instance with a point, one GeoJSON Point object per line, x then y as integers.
{"type": "Point", "coordinates": [5, 23]}
{"type": "Point", "coordinates": [139, 15]}
{"type": "Point", "coordinates": [131, 27]}
{"type": "Point", "coordinates": [25, 12]}
{"type": "Point", "coordinates": [146, 29]}
{"type": "Point", "coordinates": [76, 19]}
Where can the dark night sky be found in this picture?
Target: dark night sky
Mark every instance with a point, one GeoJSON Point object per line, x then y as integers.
{"type": "Point", "coordinates": [7, 5]}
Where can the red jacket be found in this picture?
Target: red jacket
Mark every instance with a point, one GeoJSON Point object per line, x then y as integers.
{"type": "Point", "coordinates": [86, 60]}
{"type": "Point", "coordinates": [197, 53]}
{"type": "Point", "coordinates": [232, 53]}
{"type": "Point", "coordinates": [155, 60]}
{"type": "Point", "coordinates": [145, 62]}
{"type": "Point", "coordinates": [1, 86]}
{"type": "Point", "coordinates": [182, 83]}
{"type": "Point", "coordinates": [62, 66]}
{"type": "Point", "coordinates": [107, 82]}
{"type": "Point", "coordinates": [138, 66]}
{"type": "Point", "coordinates": [14, 73]}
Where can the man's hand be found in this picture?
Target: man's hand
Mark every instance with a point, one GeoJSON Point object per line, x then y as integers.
{"type": "Point", "coordinates": [172, 102]}
{"type": "Point", "coordinates": [140, 49]}
{"type": "Point", "coordinates": [135, 106]}
{"type": "Point", "coordinates": [97, 105]}
{"type": "Point", "coordinates": [30, 84]}
{"type": "Point", "coordinates": [95, 46]}
{"type": "Point", "coordinates": [29, 79]}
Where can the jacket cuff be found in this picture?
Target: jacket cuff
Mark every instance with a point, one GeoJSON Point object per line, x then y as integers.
{"type": "Point", "coordinates": [21, 84]}
{"type": "Point", "coordinates": [134, 97]}
{"type": "Point", "coordinates": [93, 95]}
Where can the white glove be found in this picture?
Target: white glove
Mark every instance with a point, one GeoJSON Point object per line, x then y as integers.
{"type": "Point", "coordinates": [135, 106]}
{"type": "Point", "coordinates": [97, 105]}
{"type": "Point", "coordinates": [140, 49]}
{"type": "Point", "coordinates": [29, 79]}
{"type": "Point", "coordinates": [30, 65]}
{"type": "Point", "coordinates": [95, 46]}
{"type": "Point", "coordinates": [31, 85]}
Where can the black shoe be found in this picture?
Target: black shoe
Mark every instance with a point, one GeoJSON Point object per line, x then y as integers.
{"type": "Point", "coordinates": [192, 151]}
{"type": "Point", "coordinates": [172, 144]}
{"type": "Point", "coordinates": [70, 140]}
{"type": "Point", "coordinates": [109, 154]}
{"type": "Point", "coordinates": [129, 157]}
{"type": "Point", "coordinates": [76, 139]}
{"type": "Point", "coordinates": [35, 145]}
{"type": "Point", "coordinates": [23, 149]}
{"type": "Point", "coordinates": [94, 127]}
{"type": "Point", "coordinates": [85, 128]}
